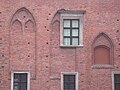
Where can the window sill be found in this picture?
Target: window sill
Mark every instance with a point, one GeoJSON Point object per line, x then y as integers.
{"type": "Point", "coordinates": [71, 46]}
{"type": "Point", "coordinates": [54, 78]}
{"type": "Point", "coordinates": [102, 66]}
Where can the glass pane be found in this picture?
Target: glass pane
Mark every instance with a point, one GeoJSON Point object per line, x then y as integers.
{"type": "Point", "coordinates": [16, 88]}
{"type": "Point", "coordinates": [75, 23]}
{"type": "Point", "coordinates": [24, 77]}
{"type": "Point", "coordinates": [117, 78]}
{"type": "Point", "coordinates": [117, 86]}
{"type": "Point", "coordinates": [66, 32]}
{"type": "Point", "coordinates": [69, 82]}
{"type": "Point", "coordinates": [74, 41]}
{"type": "Point", "coordinates": [69, 78]}
{"type": "Point", "coordinates": [16, 77]}
{"type": "Point", "coordinates": [72, 78]}
{"type": "Point", "coordinates": [66, 85]}
{"type": "Point", "coordinates": [66, 41]}
{"type": "Point", "coordinates": [16, 84]}
{"type": "Point", "coordinates": [66, 23]}
{"type": "Point", "coordinates": [72, 86]}
{"type": "Point", "coordinates": [16, 80]}
{"type": "Point", "coordinates": [74, 32]}
{"type": "Point", "coordinates": [66, 78]}
{"type": "Point", "coordinates": [23, 86]}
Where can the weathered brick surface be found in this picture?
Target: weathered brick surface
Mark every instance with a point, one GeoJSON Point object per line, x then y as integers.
{"type": "Point", "coordinates": [51, 59]}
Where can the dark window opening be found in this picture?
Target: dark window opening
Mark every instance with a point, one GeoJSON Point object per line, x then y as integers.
{"type": "Point", "coordinates": [69, 82]}
{"type": "Point", "coordinates": [117, 81]}
{"type": "Point", "coordinates": [20, 81]}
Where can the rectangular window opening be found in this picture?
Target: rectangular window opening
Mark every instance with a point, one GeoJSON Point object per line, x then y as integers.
{"type": "Point", "coordinates": [71, 32]}
{"type": "Point", "coordinates": [116, 81]}
{"type": "Point", "coordinates": [20, 81]}
{"type": "Point", "coordinates": [69, 81]}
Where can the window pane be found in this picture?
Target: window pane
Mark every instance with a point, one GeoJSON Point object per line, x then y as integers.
{"type": "Point", "coordinates": [72, 78]}
{"type": "Point", "coordinates": [66, 23]}
{"type": "Point", "coordinates": [74, 41]}
{"type": "Point", "coordinates": [16, 84]}
{"type": "Point", "coordinates": [117, 86]}
{"type": "Point", "coordinates": [23, 86]}
{"type": "Point", "coordinates": [16, 80]}
{"type": "Point", "coordinates": [20, 81]}
{"type": "Point", "coordinates": [72, 86]}
{"type": "Point", "coordinates": [69, 78]}
{"type": "Point", "coordinates": [75, 23]}
{"type": "Point", "coordinates": [16, 77]}
{"type": "Point", "coordinates": [66, 32]}
{"type": "Point", "coordinates": [66, 85]}
{"type": "Point", "coordinates": [69, 82]}
{"type": "Point", "coordinates": [117, 78]}
{"type": "Point", "coordinates": [66, 41]}
{"type": "Point", "coordinates": [74, 32]}
{"type": "Point", "coordinates": [16, 88]}
{"type": "Point", "coordinates": [24, 77]}
{"type": "Point", "coordinates": [66, 78]}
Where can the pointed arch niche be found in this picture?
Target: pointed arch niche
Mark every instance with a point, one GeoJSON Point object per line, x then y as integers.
{"type": "Point", "coordinates": [102, 49]}
{"type": "Point", "coordinates": [23, 42]}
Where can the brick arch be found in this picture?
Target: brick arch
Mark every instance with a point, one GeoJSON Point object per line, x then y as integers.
{"type": "Point", "coordinates": [55, 28]}
{"type": "Point", "coordinates": [102, 50]}
{"type": "Point", "coordinates": [102, 38]}
{"type": "Point", "coordinates": [56, 17]}
{"type": "Point", "coordinates": [16, 24]}
{"type": "Point", "coordinates": [29, 26]}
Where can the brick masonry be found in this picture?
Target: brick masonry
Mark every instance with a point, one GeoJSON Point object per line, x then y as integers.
{"type": "Point", "coordinates": [39, 51]}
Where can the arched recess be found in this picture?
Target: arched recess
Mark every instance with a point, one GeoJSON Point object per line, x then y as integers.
{"type": "Point", "coordinates": [55, 43]}
{"type": "Point", "coordinates": [102, 51]}
{"type": "Point", "coordinates": [23, 42]}
{"type": "Point", "coordinates": [54, 40]}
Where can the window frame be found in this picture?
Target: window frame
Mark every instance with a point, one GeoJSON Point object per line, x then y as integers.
{"type": "Point", "coordinates": [113, 79]}
{"type": "Point", "coordinates": [73, 16]}
{"type": "Point", "coordinates": [69, 73]}
{"type": "Point", "coordinates": [28, 79]}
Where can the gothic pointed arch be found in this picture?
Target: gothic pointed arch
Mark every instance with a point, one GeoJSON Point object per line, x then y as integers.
{"type": "Point", "coordinates": [24, 16]}
{"type": "Point", "coordinates": [102, 48]}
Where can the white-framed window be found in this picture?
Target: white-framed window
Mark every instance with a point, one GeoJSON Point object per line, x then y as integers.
{"type": "Point", "coordinates": [69, 81]}
{"type": "Point", "coordinates": [20, 81]}
{"type": "Point", "coordinates": [71, 29]}
{"type": "Point", "coordinates": [116, 80]}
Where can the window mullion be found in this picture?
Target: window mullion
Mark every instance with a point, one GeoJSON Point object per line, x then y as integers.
{"type": "Point", "coordinates": [70, 32]}
{"type": "Point", "coordinates": [78, 30]}
{"type": "Point", "coordinates": [20, 82]}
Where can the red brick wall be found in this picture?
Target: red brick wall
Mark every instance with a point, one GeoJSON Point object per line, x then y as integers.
{"type": "Point", "coordinates": [100, 16]}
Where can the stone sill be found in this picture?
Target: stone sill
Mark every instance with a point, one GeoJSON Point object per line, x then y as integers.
{"type": "Point", "coordinates": [102, 66]}
{"type": "Point", "coordinates": [71, 46]}
{"type": "Point", "coordinates": [54, 78]}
